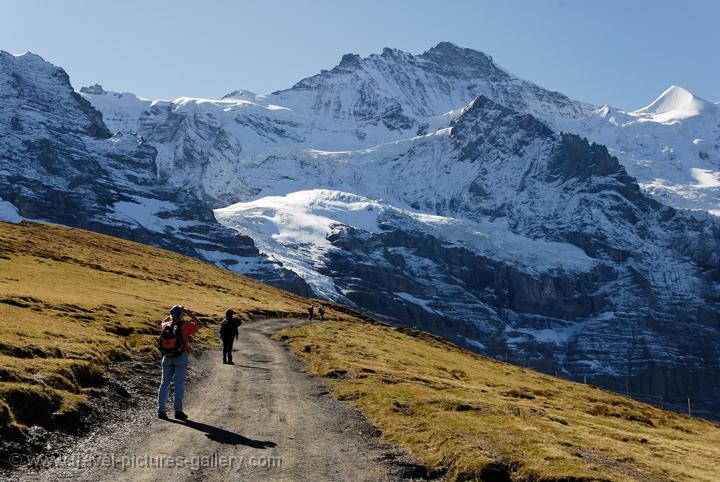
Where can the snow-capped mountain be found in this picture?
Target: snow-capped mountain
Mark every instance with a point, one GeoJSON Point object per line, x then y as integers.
{"type": "Point", "coordinates": [672, 147]}
{"type": "Point", "coordinates": [60, 163]}
{"type": "Point", "coordinates": [205, 144]}
{"type": "Point", "coordinates": [499, 231]}
{"type": "Point", "coordinates": [437, 190]}
{"type": "Point", "coordinates": [402, 91]}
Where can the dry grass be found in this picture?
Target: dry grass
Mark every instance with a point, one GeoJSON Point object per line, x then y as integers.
{"type": "Point", "coordinates": [479, 419]}
{"type": "Point", "coordinates": [72, 302]}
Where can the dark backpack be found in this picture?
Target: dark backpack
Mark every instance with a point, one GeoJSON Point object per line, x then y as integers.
{"type": "Point", "coordinates": [171, 342]}
{"type": "Point", "coordinates": [228, 328]}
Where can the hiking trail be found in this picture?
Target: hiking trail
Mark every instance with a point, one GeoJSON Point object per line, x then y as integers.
{"type": "Point", "coordinates": [244, 418]}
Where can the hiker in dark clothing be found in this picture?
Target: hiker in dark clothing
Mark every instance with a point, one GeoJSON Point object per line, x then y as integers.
{"type": "Point", "coordinates": [228, 333]}
{"type": "Point", "coordinates": [321, 312]}
{"type": "Point", "coordinates": [310, 312]}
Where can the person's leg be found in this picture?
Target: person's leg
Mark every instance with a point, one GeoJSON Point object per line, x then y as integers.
{"type": "Point", "coordinates": [229, 349]}
{"type": "Point", "coordinates": [181, 363]}
{"type": "Point", "coordinates": [167, 376]}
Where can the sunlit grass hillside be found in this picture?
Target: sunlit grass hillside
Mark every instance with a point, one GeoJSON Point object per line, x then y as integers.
{"type": "Point", "coordinates": [72, 302]}
{"type": "Point", "coordinates": [474, 418]}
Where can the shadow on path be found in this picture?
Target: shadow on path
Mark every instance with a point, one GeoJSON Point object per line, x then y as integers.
{"type": "Point", "coordinates": [223, 436]}
{"type": "Point", "coordinates": [256, 368]}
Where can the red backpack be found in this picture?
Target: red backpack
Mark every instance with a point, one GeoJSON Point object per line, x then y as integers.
{"type": "Point", "coordinates": [171, 341]}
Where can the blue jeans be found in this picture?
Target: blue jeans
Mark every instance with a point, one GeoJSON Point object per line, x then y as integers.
{"type": "Point", "coordinates": [173, 370]}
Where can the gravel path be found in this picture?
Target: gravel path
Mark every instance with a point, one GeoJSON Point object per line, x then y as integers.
{"type": "Point", "coordinates": [261, 419]}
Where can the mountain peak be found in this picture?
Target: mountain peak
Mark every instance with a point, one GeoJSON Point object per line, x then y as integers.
{"type": "Point", "coordinates": [390, 52]}
{"type": "Point", "coordinates": [350, 60]}
{"type": "Point", "coordinates": [29, 81]}
{"type": "Point", "coordinates": [399, 87]}
{"type": "Point", "coordinates": [95, 89]}
{"type": "Point", "coordinates": [26, 56]}
{"type": "Point", "coordinates": [240, 94]}
{"type": "Point", "coordinates": [445, 46]}
{"type": "Point", "coordinates": [448, 52]}
{"type": "Point", "coordinates": [28, 60]}
{"type": "Point", "coordinates": [674, 103]}
{"type": "Point", "coordinates": [674, 97]}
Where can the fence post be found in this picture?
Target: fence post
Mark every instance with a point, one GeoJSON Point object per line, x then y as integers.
{"type": "Point", "coordinates": [585, 379]}
{"type": "Point", "coordinates": [689, 412]}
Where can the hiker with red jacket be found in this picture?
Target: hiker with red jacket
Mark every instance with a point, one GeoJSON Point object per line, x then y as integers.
{"type": "Point", "coordinates": [175, 347]}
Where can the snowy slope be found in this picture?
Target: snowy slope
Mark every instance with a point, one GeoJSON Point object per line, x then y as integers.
{"type": "Point", "coordinates": [675, 104]}
{"type": "Point", "coordinates": [672, 147]}
{"type": "Point", "coordinates": [9, 213]}
{"type": "Point", "coordinates": [295, 229]}
{"type": "Point", "coordinates": [205, 144]}
{"type": "Point", "coordinates": [120, 110]}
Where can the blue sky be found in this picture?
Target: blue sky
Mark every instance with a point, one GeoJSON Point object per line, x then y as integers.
{"type": "Point", "coordinates": [623, 53]}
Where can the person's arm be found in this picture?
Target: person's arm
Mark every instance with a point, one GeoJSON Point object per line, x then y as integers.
{"type": "Point", "coordinates": [167, 318]}
{"type": "Point", "coordinates": [194, 324]}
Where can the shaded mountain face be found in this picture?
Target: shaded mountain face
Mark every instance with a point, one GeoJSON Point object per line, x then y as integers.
{"type": "Point", "coordinates": [435, 190]}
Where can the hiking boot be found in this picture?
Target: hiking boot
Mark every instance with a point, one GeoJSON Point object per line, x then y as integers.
{"type": "Point", "coordinates": [231, 362]}
{"type": "Point", "coordinates": [162, 415]}
{"type": "Point", "coordinates": [181, 416]}
{"type": "Point", "coordinates": [225, 362]}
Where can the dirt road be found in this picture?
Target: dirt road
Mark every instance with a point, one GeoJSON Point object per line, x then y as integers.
{"type": "Point", "coordinates": [261, 419]}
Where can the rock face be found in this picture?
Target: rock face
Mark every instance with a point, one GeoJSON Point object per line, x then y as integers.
{"type": "Point", "coordinates": [435, 190]}
{"type": "Point", "coordinates": [672, 147]}
{"type": "Point", "coordinates": [60, 163]}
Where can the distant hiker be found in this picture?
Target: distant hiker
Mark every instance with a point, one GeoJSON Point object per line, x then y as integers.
{"type": "Point", "coordinates": [321, 312]}
{"type": "Point", "coordinates": [310, 312]}
{"type": "Point", "coordinates": [228, 333]}
{"type": "Point", "coordinates": [175, 347]}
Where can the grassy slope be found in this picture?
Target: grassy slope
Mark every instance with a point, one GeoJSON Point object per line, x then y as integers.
{"type": "Point", "coordinates": [479, 418]}
{"type": "Point", "coordinates": [72, 301]}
